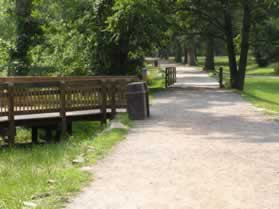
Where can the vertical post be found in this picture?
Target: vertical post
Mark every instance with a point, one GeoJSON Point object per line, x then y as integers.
{"type": "Point", "coordinates": [104, 102]}
{"type": "Point", "coordinates": [113, 90]}
{"type": "Point", "coordinates": [63, 109]}
{"type": "Point", "coordinates": [48, 134]}
{"type": "Point", "coordinates": [167, 77]}
{"type": "Point", "coordinates": [173, 75]}
{"type": "Point", "coordinates": [175, 79]}
{"type": "Point", "coordinates": [221, 78]}
{"type": "Point", "coordinates": [11, 115]}
{"type": "Point", "coordinates": [147, 100]}
{"type": "Point", "coordinates": [34, 135]}
{"type": "Point", "coordinates": [70, 128]}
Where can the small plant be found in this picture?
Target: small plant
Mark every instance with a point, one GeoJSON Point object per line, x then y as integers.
{"type": "Point", "coordinates": [276, 68]}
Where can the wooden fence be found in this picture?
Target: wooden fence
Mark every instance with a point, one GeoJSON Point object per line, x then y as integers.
{"type": "Point", "coordinates": [30, 96]}
{"type": "Point", "coordinates": [170, 76]}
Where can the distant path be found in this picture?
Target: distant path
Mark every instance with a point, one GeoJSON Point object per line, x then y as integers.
{"type": "Point", "coordinates": [203, 148]}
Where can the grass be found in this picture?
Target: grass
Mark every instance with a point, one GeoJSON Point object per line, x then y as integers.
{"type": "Point", "coordinates": [45, 174]}
{"type": "Point", "coordinates": [263, 93]}
{"type": "Point", "coordinates": [156, 81]}
{"type": "Point", "coordinates": [252, 67]}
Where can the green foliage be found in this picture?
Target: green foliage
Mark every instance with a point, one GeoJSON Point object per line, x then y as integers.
{"type": "Point", "coordinates": [69, 37]}
{"type": "Point", "coordinates": [88, 37]}
{"type": "Point", "coordinates": [128, 30]}
{"type": "Point", "coordinates": [264, 36]}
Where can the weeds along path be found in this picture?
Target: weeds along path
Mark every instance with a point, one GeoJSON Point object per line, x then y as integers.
{"type": "Point", "coordinates": [203, 148]}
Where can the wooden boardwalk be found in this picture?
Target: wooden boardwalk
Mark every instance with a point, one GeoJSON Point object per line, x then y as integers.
{"type": "Point", "coordinates": [55, 102]}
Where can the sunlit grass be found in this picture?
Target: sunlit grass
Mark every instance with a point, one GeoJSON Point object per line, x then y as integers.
{"type": "Point", "coordinates": [252, 67]}
{"type": "Point", "coordinates": [156, 80]}
{"type": "Point", "coordinates": [263, 92]}
{"type": "Point", "coordinates": [45, 174]}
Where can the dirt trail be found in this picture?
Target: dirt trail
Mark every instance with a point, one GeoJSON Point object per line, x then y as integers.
{"type": "Point", "coordinates": [203, 148]}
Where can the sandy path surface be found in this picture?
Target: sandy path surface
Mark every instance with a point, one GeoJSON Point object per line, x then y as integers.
{"type": "Point", "coordinates": [203, 148]}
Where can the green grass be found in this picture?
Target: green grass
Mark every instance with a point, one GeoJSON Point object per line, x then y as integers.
{"type": "Point", "coordinates": [45, 174]}
{"type": "Point", "coordinates": [252, 67]}
{"type": "Point", "coordinates": [156, 80]}
{"type": "Point", "coordinates": [263, 92]}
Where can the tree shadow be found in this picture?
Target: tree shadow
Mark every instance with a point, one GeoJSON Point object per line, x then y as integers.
{"type": "Point", "coordinates": [212, 115]}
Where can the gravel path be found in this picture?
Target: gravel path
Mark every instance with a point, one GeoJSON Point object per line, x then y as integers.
{"type": "Point", "coordinates": [203, 148]}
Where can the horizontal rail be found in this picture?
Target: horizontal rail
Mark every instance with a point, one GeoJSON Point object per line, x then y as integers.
{"type": "Point", "coordinates": [24, 79]}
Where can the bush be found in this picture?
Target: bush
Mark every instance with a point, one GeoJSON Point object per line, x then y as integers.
{"type": "Point", "coordinates": [276, 68]}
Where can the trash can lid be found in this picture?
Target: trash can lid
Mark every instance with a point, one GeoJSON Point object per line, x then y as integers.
{"type": "Point", "coordinates": [136, 86]}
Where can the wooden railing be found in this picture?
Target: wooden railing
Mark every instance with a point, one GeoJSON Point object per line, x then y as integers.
{"type": "Point", "coordinates": [37, 95]}
{"type": "Point", "coordinates": [170, 76]}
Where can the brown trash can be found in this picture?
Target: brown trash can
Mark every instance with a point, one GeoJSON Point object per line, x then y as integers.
{"type": "Point", "coordinates": [137, 101]}
{"type": "Point", "coordinates": [156, 63]}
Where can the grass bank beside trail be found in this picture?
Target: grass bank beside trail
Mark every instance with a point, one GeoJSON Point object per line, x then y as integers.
{"type": "Point", "coordinates": [263, 92]}
{"type": "Point", "coordinates": [252, 67]}
{"type": "Point", "coordinates": [45, 175]}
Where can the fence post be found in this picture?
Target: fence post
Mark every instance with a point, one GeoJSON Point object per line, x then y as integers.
{"type": "Point", "coordinates": [147, 100]}
{"type": "Point", "coordinates": [221, 77]}
{"type": "Point", "coordinates": [175, 75]}
{"type": "Point", "coordinates": [167, 77]}
{"type": "Point", "coordinates": [113, 90]}
{"type": "Point", "coordinates": [104, 102]}
{"type": "Point", "coordinates": [63, 109]}
{"type": "Point", "coordinates": [11, 115]}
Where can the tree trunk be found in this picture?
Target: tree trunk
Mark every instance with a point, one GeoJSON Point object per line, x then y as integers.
{"type": "Point", "coordinates": [23, 19]}
{"type": "Point", "coordinates": [185, 55]}
{"type": "Point", "coordinates": [192, 57]}
{"type": "Point", "coordinates": [209, 59]}
{"type": "Point", "coordinates": [246, 25]}
{"type": "Point", "coordinates": [178, 53]}
{"type": "Point", "coordinates": [230, 46]}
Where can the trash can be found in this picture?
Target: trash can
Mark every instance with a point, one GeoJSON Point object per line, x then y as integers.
{"type": "Point", "coordinates": [156, 63]}
{"type": "Point", "coordinates": [137, 101]}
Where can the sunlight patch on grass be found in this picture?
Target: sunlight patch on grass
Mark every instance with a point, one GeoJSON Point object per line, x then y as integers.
{"type": "Point", "coordinates": [156, 81]}
{"type": "Point", "coordinates": [252, 67]}
{"type": "Point", "coordinates": [263, 92]}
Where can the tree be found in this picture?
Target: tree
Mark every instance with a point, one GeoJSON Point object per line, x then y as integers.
{"type": "Point", "coordinates": [235, 13]}
{"type": "Point", "coordinates": [26, 30]}
{"type": "Point", "coordinates": [132, 28]}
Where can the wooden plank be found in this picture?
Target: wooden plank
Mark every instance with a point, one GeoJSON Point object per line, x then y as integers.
{"type": "Point", "coordinates": [60, 96]}
{"type": "Point", "coordinates": [63, 109]}
{"type": "Point", "coordinates": [11, 115]}
{"type": "Point", "coordinates": [113, 99]}
{"type": "Point", "coordinates": [104, 103]}
{"type": "Point", "coordinates": [34, 135]}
